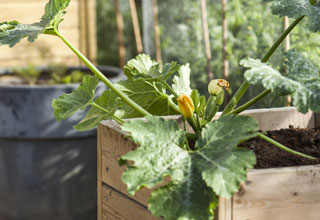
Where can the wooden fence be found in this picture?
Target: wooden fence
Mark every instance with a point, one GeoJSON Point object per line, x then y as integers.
{"type": "Point", "coordinates": [79, 27]}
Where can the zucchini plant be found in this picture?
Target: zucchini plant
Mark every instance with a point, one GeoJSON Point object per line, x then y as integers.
{"type": "Point", "coordinates": [203, 164]}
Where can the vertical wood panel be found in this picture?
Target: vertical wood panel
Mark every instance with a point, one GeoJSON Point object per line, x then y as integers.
{"type": "Point", "coordinates": [99, 174]}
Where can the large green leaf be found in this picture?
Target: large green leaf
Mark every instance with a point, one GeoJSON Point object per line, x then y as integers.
{"type": "Point", "coordinates": [191, 199]}
{"type": "Point", "coordinates": [299, 66]}
{"type": "Point", "coordinates": [148, 95]}
{"type": "Point", "coordinates": [217, 167]}
{"type": "Point", "coordinates": [109, 102]}
{"type": "Point", "coordinates": [142, 67]}
{"type": "Point", "coordinates": [159, 155]}
{"type": "Point", "coordinates": [296, 9]}
{"type": "Point", "coordinates": [12, 32]}
{"type": "Point", "coordinates": [302, 82]}
{"type": "Point", "coordinates": [181, 83]}
{"type": "Point", "coordinates": [223, 165]}
{"type": "Point", "coordinates": [67, 104]}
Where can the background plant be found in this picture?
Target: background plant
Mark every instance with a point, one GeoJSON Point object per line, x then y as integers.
{"type": "Point", "coordinates": [182, 41]}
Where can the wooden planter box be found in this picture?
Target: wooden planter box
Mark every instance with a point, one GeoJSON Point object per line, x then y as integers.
{"type": "Point", "coordinates": [79, 27]}
{"type": "Point", "coordinates": [291, 193]}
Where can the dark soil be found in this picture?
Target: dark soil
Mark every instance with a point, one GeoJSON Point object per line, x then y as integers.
{"type": "Point", "coordinates": [306, 141]}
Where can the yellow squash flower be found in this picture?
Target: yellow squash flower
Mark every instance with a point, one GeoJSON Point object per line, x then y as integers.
{"type": "Point", "coordinates": [186, 105]}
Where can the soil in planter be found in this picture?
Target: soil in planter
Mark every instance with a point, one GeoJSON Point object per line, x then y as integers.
{"type": "Point", "coordinates": [306, 141]}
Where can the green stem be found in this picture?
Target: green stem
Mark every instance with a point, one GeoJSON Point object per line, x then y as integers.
{"type": "Point", "coordinates": [191, 136]}
{"type": "Point", "coordinates": [281, 38]}
{"type": "Point", "coordinates": [103, 78]}
{"type": "Point", "coordinates": [235, 99]}
{"type": "Point", "coordinates": [243, 88]}
{"type": "Point", "coordinates": [117, 119]}
{"type": "Point", "coordinates": [277, 144]}
{"type": "Point", "coordinates": [251, 102]}
{"type": "Point", "coordinates": [194, 125]}
{"type": "Point", "coordinates": [170, 88]}
{"type": "Point", "coordinates": [173, 105]}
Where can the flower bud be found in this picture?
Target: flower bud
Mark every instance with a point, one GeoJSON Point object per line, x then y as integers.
{"type": "Point", "coordinates": [186, 105]}
{"type": "Point", "coordinates": [216, 86]}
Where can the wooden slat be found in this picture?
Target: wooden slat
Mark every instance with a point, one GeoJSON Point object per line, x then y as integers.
{"type": "Point", "coordinates": [116, 206]}
{"type": "Point", "coordinates": [113, 146]}
{"type": "Point", "coordinates": [224, 213]}
{"type": "Point", "coordinates": [87, 17]}
{"type": "Point", "coordinates": [99, 174]}
{"type": "Point", "coordinates": [279, 194]}
{"type": "Point", "coordinates": [277, 118]}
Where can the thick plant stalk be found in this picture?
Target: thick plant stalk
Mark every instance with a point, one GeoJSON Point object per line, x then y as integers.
{"type": "Point", "coordinates": [156, 30]}
{"type": "Point", "coordinates": [224, 45]}
{"type": "Point", "coordinates": [286, 48]}
{"type": "Point", "coordinates": [244, 86]}
{"type": "Point", "coordinates": [103, 78]}
{"type": "Point", "coordinates": [120, 35]}
{"type": "Point", "coordinates": [206, 37]}
{"type": "Point", "coordinates": [136, 26]}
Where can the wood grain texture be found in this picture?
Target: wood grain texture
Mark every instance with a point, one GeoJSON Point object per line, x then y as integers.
{"type": "Point", "coordinates": [224, 213]}
{"type": "Point", "coordinates": [99, 174]}
{"type": "Point", "coordinates": [291, 193]}
{"type": "Point", "coordinates": [116, 206]}
{"type": "Point", "coordinates": [114, 145]}
{"type": "Point", "coordinates": [30, 11]}
{"type": "Point", "coordinates": [277, 118]}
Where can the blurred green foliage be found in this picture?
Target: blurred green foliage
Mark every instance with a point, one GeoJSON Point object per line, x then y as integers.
{"type": "Point", "coordinates": [252, 30]}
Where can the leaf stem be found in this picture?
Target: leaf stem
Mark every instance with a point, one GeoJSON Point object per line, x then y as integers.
{"type": "Point", "coordinates": [191, 136]}
{"type": "Point", "coordinates": [173, 105]}
{"type": "Point", "coordinates": [169, 88]}
{"type": "Point", "coordinates": [117, 119]}
{"type": "Point", "coordinates": [235, 99]}
{"type": "Point", "coordinates": [281, 38]}
{"type": "Point", "coordinates": [251, 102]}
{"type": "Point", "coordinates": [243, 88]}
{"type": "Point", "coordinates": [282, 147]}
{"type": "Point", "coordinates": [103, 78]}
{"type": "Point", "coordinates": [194, 125]}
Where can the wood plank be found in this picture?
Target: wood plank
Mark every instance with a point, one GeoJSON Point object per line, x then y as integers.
{"type": "Point", "coordinates": [291, 193]}
{"type": "Point", "coordinates": [225, 207]}
{"type": "Point", "coordinates": [113, 146]}
{"type": "Point", "coordinates": [116, 206]}
{"type": "Point", "coordinates": [92, 43]}
{"type": "Point", "coordinates": [99, 174]}
{"type": "Point", "coordinates": [277, 118]}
